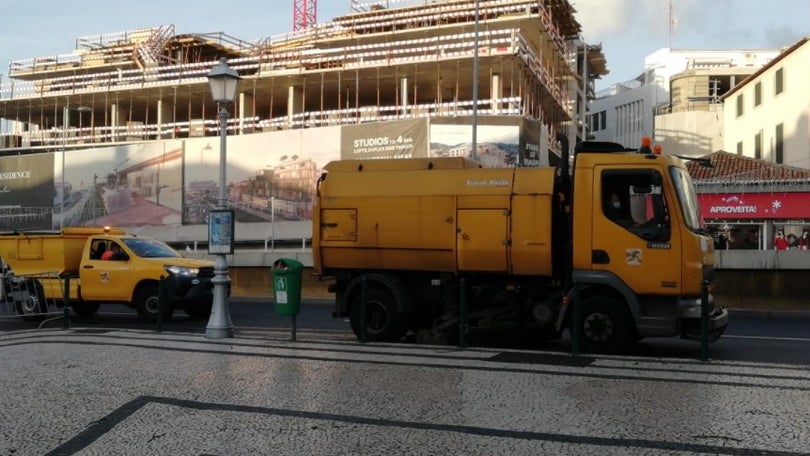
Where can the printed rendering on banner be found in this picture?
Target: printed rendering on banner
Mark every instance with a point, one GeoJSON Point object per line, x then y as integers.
{"type": "Point", "coordinates": [270, 177]}
{"type": "Point", "coordinates": [126, 185]}
{"type": "Point", "coordinates": [496, 145]}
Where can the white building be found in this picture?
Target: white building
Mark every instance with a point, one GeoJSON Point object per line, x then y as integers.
{"type": "Point", "coordinates": [627, 115]}
{"type": "Point", "coordinates": [674, 84]}
{"type": "Point", "coordinates": [768, 115]}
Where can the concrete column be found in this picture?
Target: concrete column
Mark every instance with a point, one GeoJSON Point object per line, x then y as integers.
{"type": "Point", "coordinates": [496, 92]}
{"type": "Point", "coordinates": [403, 95]}
{"type": "Point", "coordinates": [245, 111]}
{"type": "Point", "coordinates": [118, 119]}
{"type": "Point", "coordinates": [164, 116]}
{"type": "Point", "coordinates": [295, 98]}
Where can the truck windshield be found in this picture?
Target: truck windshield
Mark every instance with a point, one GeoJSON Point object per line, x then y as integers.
{"type": "Point", "coordinates": [150, 248]}
{"type": "Point", "coordinates": [687, 198]}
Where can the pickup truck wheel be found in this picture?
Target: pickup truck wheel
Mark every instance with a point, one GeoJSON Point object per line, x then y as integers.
{"type": "Point", "coordinates": [84, 309]}
{"type": "Point", "coordinates": [33, 305]}
{"type": "Point", "coordinates": [605, 326]}
{"type": "Point", "coordinates": [147, 303]}
{"type": "Point", "coordinates": [384, 323]}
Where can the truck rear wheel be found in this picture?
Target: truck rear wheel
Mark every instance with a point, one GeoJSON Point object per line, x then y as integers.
{"type": "Point", "coordinates": [384, 323]}
{"type": "Point", "coordinates": [605, 325]}
{"type": "Point", "coordinates": [84, 309]}
{"type": "Point", "coordinates": [147, 303]}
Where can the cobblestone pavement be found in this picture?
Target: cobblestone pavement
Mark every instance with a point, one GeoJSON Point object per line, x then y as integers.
{"type": "Point", "coordinates": [127, 392]}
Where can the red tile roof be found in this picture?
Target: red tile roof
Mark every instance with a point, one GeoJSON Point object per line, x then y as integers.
{"type": "Point", "coordinates": [738, 169]}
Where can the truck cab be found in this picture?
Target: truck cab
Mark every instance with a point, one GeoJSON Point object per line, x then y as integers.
{"type": "Point", "coordinates": [638, 240]}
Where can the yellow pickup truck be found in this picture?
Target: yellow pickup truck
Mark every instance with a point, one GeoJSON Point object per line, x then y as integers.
{"type": "Point", "coordinates": [128, 273]}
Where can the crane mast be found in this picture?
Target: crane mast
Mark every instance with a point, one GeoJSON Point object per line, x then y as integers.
{"type": "Point", "coordinates": [305, 14]}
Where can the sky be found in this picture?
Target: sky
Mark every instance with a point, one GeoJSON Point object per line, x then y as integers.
{"type": "Point", "coordinates": [628, 30]}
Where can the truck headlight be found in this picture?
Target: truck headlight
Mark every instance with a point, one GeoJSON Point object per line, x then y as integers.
{"type": "Point", "coordinates": [182, 271]}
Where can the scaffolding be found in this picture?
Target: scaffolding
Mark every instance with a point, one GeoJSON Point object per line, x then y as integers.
{"type": "Point", "coordinates": [385, 61]}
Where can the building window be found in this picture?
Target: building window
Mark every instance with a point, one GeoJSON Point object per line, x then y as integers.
{"type": "Point", "coordinates": [779, 148]}
{"type": "Point", "coordinates": [758, 94]}
{"type": "Point", "coordinates": [739, 105]}
{"type": "Point", "coordinates": [758, 146]}
{"type": "Point", "coordinates": [599, 121]}
{"type": "Point", "coordinates": [739, 148]}
{"type": "Point", "coordinates": [779, 81]}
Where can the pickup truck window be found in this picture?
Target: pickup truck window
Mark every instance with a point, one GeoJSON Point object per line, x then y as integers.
{"type": "Point", "coordinates": [150, 248]}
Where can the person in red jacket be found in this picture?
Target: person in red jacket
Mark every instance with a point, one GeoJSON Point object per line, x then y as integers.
{"type": "Point", "coordinates": [114, 248]}
{"type": "Point", "coordinates": [781, 242]}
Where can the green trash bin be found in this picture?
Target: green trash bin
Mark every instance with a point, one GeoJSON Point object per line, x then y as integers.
{"type": "Point", "coordinates": [287, 286]}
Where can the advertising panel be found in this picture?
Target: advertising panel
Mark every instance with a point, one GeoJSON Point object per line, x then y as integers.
{"type": "Point", "coordinates": [394, 139]}
{"type": "Point", "coordinates": [26, 191]}
{"type": "Point", "coordinates": [534, 145]}
{"type": "Point", "coordinates": [221, 231]}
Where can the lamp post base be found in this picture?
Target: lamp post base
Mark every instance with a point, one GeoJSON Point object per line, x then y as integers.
{"type": "Point", "coordinates": [220, 325]}
{"type": "Point", "coordinates": [219, 333]}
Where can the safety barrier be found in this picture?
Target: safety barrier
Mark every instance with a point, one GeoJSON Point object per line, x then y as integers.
{"type": "Point", "coordinates": [32, 297]}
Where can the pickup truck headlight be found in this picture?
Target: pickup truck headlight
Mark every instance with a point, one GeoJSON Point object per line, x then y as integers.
{"type": "Point", "coordinates": [182, 271]}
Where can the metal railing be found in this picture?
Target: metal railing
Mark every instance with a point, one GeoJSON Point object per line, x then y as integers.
{"type": "Point", "coordinates": [33, 297]}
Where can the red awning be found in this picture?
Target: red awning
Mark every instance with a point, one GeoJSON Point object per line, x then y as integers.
{"type": "Point", "coordinates": [794, 205]}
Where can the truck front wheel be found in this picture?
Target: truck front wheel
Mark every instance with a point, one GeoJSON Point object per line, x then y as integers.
{"type": "Point", "coordinates": [605, 325]}
{"type": "Point", "coordinates": [147, 303]}
{"type": "Point", "coordinates": [383, 321]}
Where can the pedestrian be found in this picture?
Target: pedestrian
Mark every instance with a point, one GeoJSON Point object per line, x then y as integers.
{"type": "Point", "coordinates": [804, 241]}
{"type": "Point", "coordinates": [781, 242]}
{"type": "Point", "coordinates": [722, 242]}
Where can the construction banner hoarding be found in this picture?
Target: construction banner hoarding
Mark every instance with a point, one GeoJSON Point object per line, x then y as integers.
{"type": "Point", "coordinates": [497, 139]}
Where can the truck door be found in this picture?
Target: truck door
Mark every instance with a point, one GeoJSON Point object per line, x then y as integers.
{"type": "Point", "coordinates": [632, 233]}
{"type": "Point", "coordinates": [104, 280]}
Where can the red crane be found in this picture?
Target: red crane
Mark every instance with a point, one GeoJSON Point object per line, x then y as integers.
{"type": "Point", "coordinates": [305, 14]}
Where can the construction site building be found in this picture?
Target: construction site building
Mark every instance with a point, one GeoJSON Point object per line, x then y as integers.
{"type": "Point", "coordinates": [367, 66]}
{"type": "Point", "coordinates": [122, 130]}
